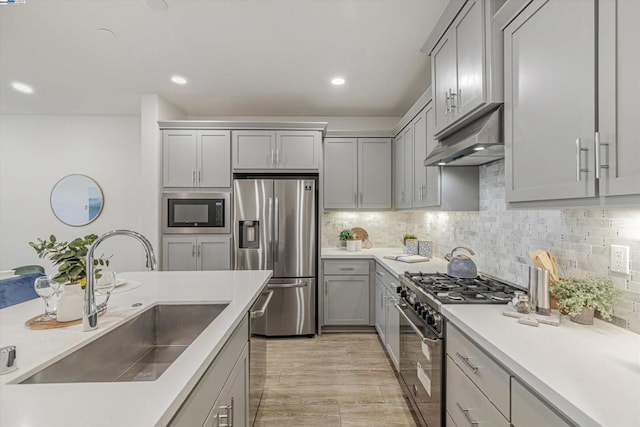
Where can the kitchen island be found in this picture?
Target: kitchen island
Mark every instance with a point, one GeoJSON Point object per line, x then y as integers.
{"type": "Point", "coordinates": [120, 403]}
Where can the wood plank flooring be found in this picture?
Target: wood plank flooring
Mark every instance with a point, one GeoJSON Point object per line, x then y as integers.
{"type": "Point", "coordinates": [331, 380]}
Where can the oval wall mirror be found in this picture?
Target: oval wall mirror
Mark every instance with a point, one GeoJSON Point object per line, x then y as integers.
{"type": "Point", "coordinates": [77, 200]}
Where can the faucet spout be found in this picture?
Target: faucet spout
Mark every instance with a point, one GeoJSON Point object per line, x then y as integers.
{"type": "Point", "coordinates": [90, 309]}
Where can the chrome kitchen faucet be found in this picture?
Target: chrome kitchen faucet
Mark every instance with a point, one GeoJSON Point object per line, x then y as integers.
{"type": "Point", "coordinates": [90, 310]}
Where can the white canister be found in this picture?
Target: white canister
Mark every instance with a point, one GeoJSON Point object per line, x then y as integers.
{"type": "Point", "coordinates": [70, 303]}
{"type": "Point", "coordinates": [352, 245]}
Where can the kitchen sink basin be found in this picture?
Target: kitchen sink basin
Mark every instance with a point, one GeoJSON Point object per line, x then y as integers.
{"type": "Point", "coordinates": [139, 350]}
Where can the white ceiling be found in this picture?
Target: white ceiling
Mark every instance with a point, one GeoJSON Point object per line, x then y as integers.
{"type": "Point", "coordinates": [241, 57]}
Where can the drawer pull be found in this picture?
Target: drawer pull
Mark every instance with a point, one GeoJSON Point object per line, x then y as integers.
{"type": "Point", "coordinates": [465, 359]}
{"type": "Point", "coordinates": [465, 412]}
{"type": "Point", "coordinates": [346, 268]}
{"type": "Point", "coordinates": [379, 273]}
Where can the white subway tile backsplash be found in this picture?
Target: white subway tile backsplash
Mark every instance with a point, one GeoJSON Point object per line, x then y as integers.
{"type": "Point", "coordinates": [579, 238]}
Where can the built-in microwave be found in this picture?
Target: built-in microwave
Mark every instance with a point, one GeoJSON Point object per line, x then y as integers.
{"type": "Point", "coordinates": [196, 213]}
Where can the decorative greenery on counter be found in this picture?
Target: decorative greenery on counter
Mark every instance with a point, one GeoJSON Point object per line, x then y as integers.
{"type": "Point", "coordinates": [70, 257]}
{"type": "Point", "coordinates": [408, 236]}
{"type": "Point", "coordinates": [348, 234]}
{"type": "Point", "coordinates": [593, 291]}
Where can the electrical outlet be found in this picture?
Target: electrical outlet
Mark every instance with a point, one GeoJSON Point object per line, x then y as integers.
{"type": "Point", "coordinates": [620, 259]}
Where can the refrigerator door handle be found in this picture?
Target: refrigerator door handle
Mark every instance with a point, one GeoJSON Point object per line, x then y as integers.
{"type": "Point", "coordinates": [288, 285]}
{"type": "Point", "coordinates": [270, 222]}
{"type": "Point", "coordinates": [276, 231]}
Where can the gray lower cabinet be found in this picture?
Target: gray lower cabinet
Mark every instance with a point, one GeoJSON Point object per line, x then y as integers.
{"type": "Point", "coordinates": [529, 411]}
{"type": "Point", "coordinates": [223, 390]}
{"type": "Point", "coordinates": [572, 144]}
{"type": "Point", "coordinates": [347, 293]}
{"type": "Point", "coordinates": [387, 316]}
{"type": "Point", "coordinates": [357, 173]}
{"type": "Point", "coordinates": [231, 408]}
{"type": "Point", "coordinates": [196, 253]}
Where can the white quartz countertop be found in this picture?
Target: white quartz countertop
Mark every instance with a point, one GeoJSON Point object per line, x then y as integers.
{"type": "Point", "coordinates": [128, 403]}
{"type": "Point", "coordinates": [434, 265]}
{"type": "Point", "coordinates": [590, 373]}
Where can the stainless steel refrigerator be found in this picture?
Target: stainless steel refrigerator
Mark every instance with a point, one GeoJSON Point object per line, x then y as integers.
{"type": "Point", "coordinates": [275, 228]}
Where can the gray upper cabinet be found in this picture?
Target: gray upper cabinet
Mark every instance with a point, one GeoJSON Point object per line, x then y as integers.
{"type": "Point", "coordinates": [466, 63]}
{"type": "Point", "coordinates": [193, 158]}
{"type": "Point", "coordinates": [403, 173]}
{"type": "Point", "coordinates": [357, 173]}
{"type": "Point", "coordinates": [562, 147]}
{"type": "Point", "coordinates": [284, 150]}
{"type": "Point", "coordinates": [426, 180]}
{"type": "Point", "coordinates": [618, 97]}
{"type": "Point", "coordinates": [196, 253]}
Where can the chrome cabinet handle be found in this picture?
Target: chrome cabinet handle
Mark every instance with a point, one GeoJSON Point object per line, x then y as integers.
{"type": "Point", "coordinates": [346, 269]}
{"type": "Point", "coordinates": [379, 273]}
{"type": "Point", "coordinates": [579, 168]}
{"type": "Point", "coordinates": [277, 156]}
{"type": "Point", "coordinates": [355, 198]}
{"type": "Point", "coordinates": [228, 416]}
{"type": "Point", "coordinates": [193, 250]}
{"type": "Point", "coordinates": [465, 359]}
{"type": "Point", "coordinates": [465, 412]}
{"type": "Point", "coordinates": [446, 103]}
{"type": "Point", "coordinates": [199, 176]}
{"type": "Point", "coordinates": [273, 157]}
{"type": "Point", "coordinates": [198, 251]}
{"type": "Point", "coordinates": [193, 176]}
{"type": "Point", "coordinates": [361, 199]}
{"type": "Point", "coordinates": [452, 96]}
{"type": "Point", "coordinates": [260, 312]}
{"type": "Point", "coordinates": [599, 144]}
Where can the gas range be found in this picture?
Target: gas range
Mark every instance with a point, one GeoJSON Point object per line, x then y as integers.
{"type": "Point", "coordinates": [424, 293]}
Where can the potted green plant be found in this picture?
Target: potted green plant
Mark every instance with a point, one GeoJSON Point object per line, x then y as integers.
{"type": "Point", "coordinates": [410, 242]}
{"type": "Point", "coordinates": [579, 298]}
{"type": "Point", "coordinates": [69, 257]}
{"type": "Point", "coordinates": [408, 236]}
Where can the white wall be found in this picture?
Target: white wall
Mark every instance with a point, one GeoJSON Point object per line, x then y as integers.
{"type": "Point", "coordinates": [36, 151]}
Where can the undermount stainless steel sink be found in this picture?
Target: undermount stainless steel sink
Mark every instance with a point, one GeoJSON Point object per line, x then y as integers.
{"type": "Point", "coordinates": [139, 350]}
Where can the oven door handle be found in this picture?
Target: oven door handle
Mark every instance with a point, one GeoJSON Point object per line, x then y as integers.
{"type": "Point", "coordinates": [414, 327]}
{"type": "Point", "coordinates": [260, 312]}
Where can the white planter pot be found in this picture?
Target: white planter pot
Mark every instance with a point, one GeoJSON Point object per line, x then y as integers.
{"type": "Point", "coordinates": [352, 245]}
{"type": "Point", "coordinates": [70, 303]}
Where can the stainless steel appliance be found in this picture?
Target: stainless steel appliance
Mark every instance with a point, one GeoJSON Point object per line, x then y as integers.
{"type": "Point", "coordinates": [196, 213]}
{"type": "Point", "coordinates": [275, 228]}
{"type": "Point", "coordinates": [422, 333]}
{"type": "Point", "coordinates": [257, 355]}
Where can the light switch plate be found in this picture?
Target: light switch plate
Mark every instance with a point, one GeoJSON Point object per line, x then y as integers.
{"type": "Point", "coordinates": [620, 259]}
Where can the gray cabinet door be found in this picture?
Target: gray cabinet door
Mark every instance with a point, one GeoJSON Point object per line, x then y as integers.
{"type": "Point", "coordinates": [393, 329]}
{"type": "Point", "coordinates": [340, 173]}
{"type": "Point", "coordinates": [443, 78]}
{"type": "Point", "coordinates": [179, 155]}
{"type": "Point", "coordinates": [298, 149]}
{"type": "Point", "coordinates": [618, 95]}
{"type": "Point", "coordinates": [398, 171]}
{"type": "Point", "coordinates": [213, 253]}
{"type": "Point", "coordinates": [179, 253]}
{"type": "Point", "coordinates": [420, 132]}
{"type": "Point", "coordinates": [433, 187]}
{"type": "Point", "coordinates": [346, 300]}
{"type": "Point", "coordinates": [381, 298]}
{"type": "Point", "coordinates": [253, 149]}
{"type": "Point", "coordinates": [407, 140]}
{"type": "Point", "coordinates": [374, 173]}
{"type": "Point", "coordinates": [214, 158]}
{"type": "Point", "coordinates": [469, 31]}
{"type": "Point", "coordinates": [550, 101]}
{"type": "Point", "coordinates": [231, 408]}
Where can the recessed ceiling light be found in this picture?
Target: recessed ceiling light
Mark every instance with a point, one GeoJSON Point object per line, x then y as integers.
{"type": "Point", "coordinates": [179, 80]}
{"type": "Point", "coordinates": [442, 163]}
{"type": "Point", "coordinates": [479, 148]}
{"type": "Point", "coordinates": [338, 81]}
{"type": "Point", "coordinates": [21, 87]}
{"type": "Point", "coordinates": [156, 4]}
{"type": "Point", "coordinates": [106, 32]}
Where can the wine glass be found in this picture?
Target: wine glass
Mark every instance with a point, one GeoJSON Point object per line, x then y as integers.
{"type": "Point", "coordinates": [105, 284]}
{"type": "Point", "coordinates": [44, 287]}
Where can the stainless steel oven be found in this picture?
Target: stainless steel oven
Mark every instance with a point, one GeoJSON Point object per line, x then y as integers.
{"type": "Point", "coordinates": [196, 213]}
{"type": "Point", "coordinates": [421, 366]}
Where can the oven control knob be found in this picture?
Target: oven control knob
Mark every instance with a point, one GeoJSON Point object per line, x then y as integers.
{"type": "Point", "coordinates": [418, 307]}
{"type": "Point", "coordinates": [398, 289]}
{"type": "Point", "coordinates": [403, 293]}
{"type": "Point", "coordinates": [437, 318]}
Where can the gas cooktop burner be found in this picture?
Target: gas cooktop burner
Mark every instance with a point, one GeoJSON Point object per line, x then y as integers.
{"type": "Point", "coordinates": [448, 289]}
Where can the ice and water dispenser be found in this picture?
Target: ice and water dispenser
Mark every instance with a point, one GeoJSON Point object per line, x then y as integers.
{"type": "Point", "coordinates": [249, 235]}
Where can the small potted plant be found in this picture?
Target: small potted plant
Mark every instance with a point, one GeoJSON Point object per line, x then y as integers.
{"type": "Point", "coordinates": [410, 242]}
{"type": "Point", "coordinates": [351, 239]}
{"type": "Point", "coordinates": [70, 258]}
{"type": "Point", "coordinates": [579, 298]}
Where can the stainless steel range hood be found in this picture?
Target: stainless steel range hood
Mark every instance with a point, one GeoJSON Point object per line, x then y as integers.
{"type": "Point", "coordinates": [480, 142]}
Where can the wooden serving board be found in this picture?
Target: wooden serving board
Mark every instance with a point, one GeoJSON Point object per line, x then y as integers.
{"type": "Point", "coordinates": [51, 324]}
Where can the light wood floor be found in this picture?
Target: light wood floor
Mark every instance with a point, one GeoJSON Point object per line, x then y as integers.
{"type": "Point", "coordinates": [331, 380]}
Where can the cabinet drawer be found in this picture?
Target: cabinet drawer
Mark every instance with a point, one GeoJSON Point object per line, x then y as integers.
{"type": "Point", "coordinates": [480, 368]}
{"type": "Point", "coordinates": [350, 267]}
{"type": "Point", "coordinates": [529, 411]}
{"type": "Point", "coordinates": [466, 405]}
{"type": "Point", "coordinates": [387, 278]}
